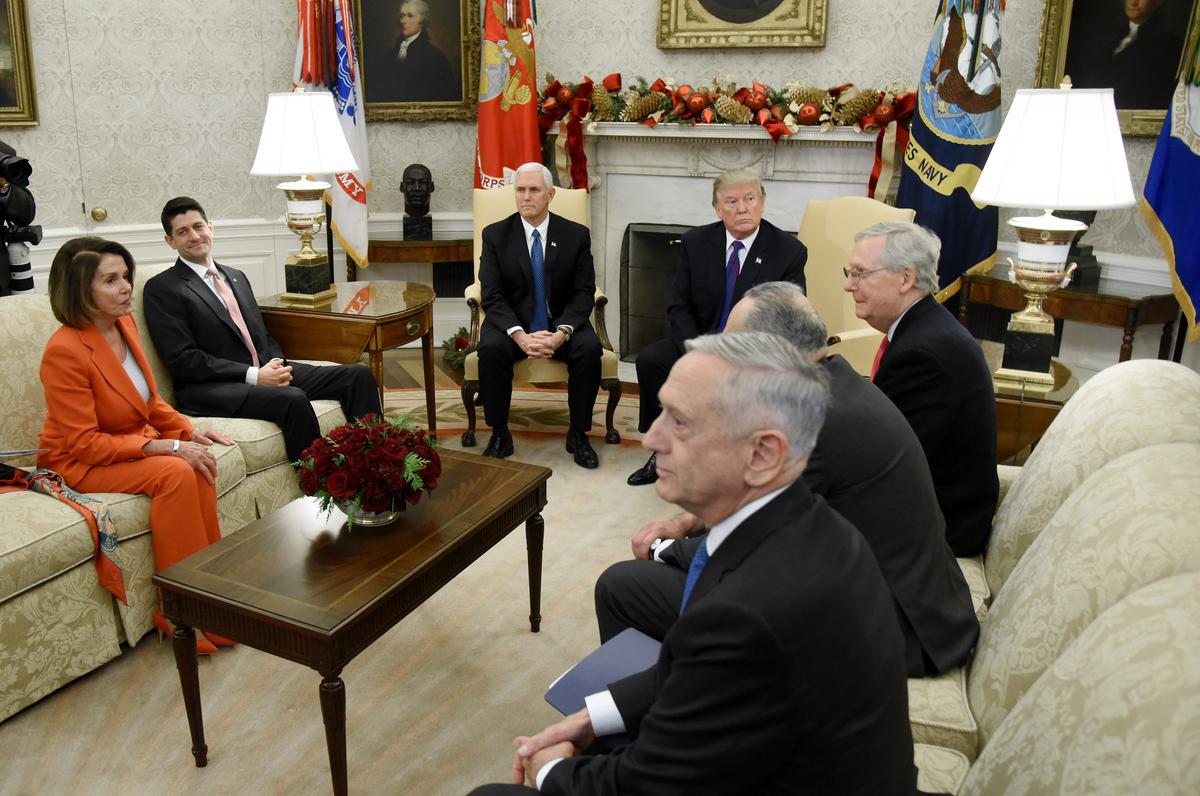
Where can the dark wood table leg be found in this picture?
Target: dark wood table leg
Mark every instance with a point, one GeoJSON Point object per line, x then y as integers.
{"type": "Point", "coordinates": [1164, 343]}
{"type": "Point", "coordinates": [183, 640]}
{"type": "Point", "coordinates": [375, 354]}
{"type": "Point", "coordinates": [534, 532]}
{"type": "Point", "coordinates": [1127, 337]}
{"type": "Point", "coordinates": [333, 711]}
{"type": "Point", "coordinates": [427, 363]}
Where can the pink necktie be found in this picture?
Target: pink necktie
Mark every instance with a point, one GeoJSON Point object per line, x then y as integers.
{"type": "Point", "coordinates": [883, 346]}
{"type": "Point", "coordinates": [235, 312]}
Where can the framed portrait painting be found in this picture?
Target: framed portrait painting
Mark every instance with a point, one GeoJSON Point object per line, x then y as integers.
{"type": "Point", "coordinates": [18, 105]}
{"type": "Point", "coordinates": [1130, 46]}
{"type": "Point", "coordinates": [419, 58]}
{"type": "Point", "coordinates": [741, 23]}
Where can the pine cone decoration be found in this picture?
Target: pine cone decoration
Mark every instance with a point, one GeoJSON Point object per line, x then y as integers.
{"type": "Point", "coordinates": [602, 104]}
{"type": "Point", "coordinates": [847, 111]}
{"type": "Point", "coordinates": [643, 106]}
{"type": "Point", "coordinates": [801, 94]}
{"type": "Point", "coordinates": [731, 110]}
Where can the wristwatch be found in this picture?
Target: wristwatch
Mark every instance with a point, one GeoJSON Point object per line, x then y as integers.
{"type": "Point", "coordinates": [566, 332]}
{"type": "Point", "coordinates": [174, 447]}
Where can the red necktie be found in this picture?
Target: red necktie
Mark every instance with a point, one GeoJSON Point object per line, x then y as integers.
{"type": "Point", "coordinates": [235, 312]}
{"type": "Point", "coordinates": [883, 346]}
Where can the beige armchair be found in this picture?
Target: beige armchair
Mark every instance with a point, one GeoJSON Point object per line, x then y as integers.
{"type": "Point", "coordinates": [828, 229]}
{"type": "Point", "coordinates": [489, 206]}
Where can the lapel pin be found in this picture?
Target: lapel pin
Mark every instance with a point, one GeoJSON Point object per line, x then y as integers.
{"type": "Point", "coordinates": [553, 245]}
{"type": "Point", "coordinates": [758, 261]}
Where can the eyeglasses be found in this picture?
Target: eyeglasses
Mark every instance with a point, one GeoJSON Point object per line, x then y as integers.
{"type": "Point", "coordinates": [857, 274]}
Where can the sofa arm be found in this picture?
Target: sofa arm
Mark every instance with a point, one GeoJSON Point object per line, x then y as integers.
{"type": "Point", "coordinates": [1007, 475]}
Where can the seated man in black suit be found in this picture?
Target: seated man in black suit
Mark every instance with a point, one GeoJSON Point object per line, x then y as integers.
{"type": "Point", "coordinates": [719, 263]}
{"type": "Point", "coordinates": [784, 672]}
{"type": "Point", "coordinates": [933, 371]}
{"type": "Point", "coordinates": [869, 467]}
{"type": "Point", "coordinates": [538, 288]}
{"type": "Point", "coordinates": [206, 326]}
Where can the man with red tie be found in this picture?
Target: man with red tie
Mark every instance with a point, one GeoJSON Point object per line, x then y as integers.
{"type": "Point", "coordinates": [206, 326]}
{"type": "Point", "coordinates": [538, 287]}
{"type": "Point", "coordinates": [719, 262]}
{"type": "Point", "coordinates": [933, 370]}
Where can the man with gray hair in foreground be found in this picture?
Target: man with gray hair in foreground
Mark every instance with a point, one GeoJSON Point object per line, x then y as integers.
{"type": "Point", "coordinates": [933, 370]}
{"type": "Point", "coordinates": [868, 465]}
{"type": "Point", "coordinates": [785, 669]}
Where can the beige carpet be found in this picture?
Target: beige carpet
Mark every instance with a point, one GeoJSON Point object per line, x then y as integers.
{"type": "Point", "coordinates": [431, 708]}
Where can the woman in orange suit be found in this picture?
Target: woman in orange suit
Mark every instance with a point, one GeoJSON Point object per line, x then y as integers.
{"type": "Point", "coordinates": [107, 429]}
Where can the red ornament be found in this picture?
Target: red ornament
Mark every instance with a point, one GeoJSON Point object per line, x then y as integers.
{"type": "Point", "coordinates": [755, 100]}
{"type": "Point", "coordinates": [679, 109]}
{"type": "Point", "coordinates": [565, 95]}
{"type": "Point", "coordinates": [697, 102]}
{"type": "Point", "coordinates": [684, 91]}
{"type": "Point", "coordinates": [550, 104]}
{"type": "Point", "coordinates": [809, 114]}
{"type": "Point", "coordinates": [762, 116]}
{"type": "Point", "coordinates": [884, 113]}
{"type": "Point", "coordinates": [777, 111]}
{"type": "Point", "coordinates": [707, 115]}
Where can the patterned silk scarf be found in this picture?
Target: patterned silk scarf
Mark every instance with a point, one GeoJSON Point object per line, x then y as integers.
{"type": "Point", "coordinates": [94, 512]}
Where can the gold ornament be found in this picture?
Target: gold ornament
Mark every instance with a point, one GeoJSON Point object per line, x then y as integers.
{"type": "Point", "coordinates": [602, 105]}
{"type": "Point", "coordinates": [801, 94]}
{"type": "Point", "coordinates": [850, 108]}
{"type": "Point", "coordinates": [731, 110]}
{"type": "Point", "coordinates": [641, 107]}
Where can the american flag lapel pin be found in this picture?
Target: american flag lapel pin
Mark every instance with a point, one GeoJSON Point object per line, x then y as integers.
{"type": "Point", "coordinates": [553, 245]}
{"type": "Point", "coordinates": [758, 261]}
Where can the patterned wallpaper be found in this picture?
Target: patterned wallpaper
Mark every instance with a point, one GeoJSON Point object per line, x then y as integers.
{"type": "Point", "coordinates": [137, 106]}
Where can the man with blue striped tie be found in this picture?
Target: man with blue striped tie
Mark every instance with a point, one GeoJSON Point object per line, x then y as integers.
{"type": "Point", "coordinates": [785, 670]}
{"type": "Point", "coordinates": [538, 288]}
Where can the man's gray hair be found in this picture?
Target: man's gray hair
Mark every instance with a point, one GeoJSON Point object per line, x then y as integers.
{"type": "Point", "coordinates": [421, 7]}
{"type": "Point", "coordinates": [532, 165]}
{"type": "Point", "coordinates": [782, 308]}
{"type": "Point", "coordinates": [737, 177]}
{"type": "Point", "coordinates": [906, 243]}
{"type": "Point", "coordinates": [772, 386]}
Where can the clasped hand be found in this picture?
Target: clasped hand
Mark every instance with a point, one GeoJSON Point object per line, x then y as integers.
{"type": "Point", "coordinates": [566, 738]}
{"type": "Point", "coordinates": [275, 374]}
{"type": "Point", "coordinates": [196, 451]}
{"type": "Point", "coordinates": [539, 345]}
{"type": "Point", "coordinates": [679, 526]}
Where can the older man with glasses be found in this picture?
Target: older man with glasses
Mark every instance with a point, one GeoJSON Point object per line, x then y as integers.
{"type": "Point", "coordinates": [933, 370]}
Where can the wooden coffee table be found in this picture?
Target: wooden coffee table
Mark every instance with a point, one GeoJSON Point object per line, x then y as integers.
{"type": "Point", "coordinates": [300, 585]}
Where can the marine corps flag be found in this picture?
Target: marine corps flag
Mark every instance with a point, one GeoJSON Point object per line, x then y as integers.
{"type": "Point", "coordinates": [508, 98]}
{"type": "Point", "coordinates": [1169, 201]}
{"type": "Point", "coordinates": [957, 119]}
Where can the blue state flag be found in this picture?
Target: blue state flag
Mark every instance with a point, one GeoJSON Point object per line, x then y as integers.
{"type": "Point", "coordinates": [1169, 200]}
{"type": "Point", "coordinates": [958, 117]}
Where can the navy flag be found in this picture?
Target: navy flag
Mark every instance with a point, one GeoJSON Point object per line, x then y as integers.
{"type": "Point", "coordinates": [958, 117]}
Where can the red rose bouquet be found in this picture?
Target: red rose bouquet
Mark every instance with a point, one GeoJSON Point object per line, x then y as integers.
{"type": "Point", "coordinates": [374, 465]}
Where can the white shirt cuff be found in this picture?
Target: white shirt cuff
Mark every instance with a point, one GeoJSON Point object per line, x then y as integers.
{"type": "Point", "coordinates": [252, 376]}
{"type": "Point", "coordinates": [513, 329]}
{"type": "Point", "coordinates": [662, 545]}
{"type": "Point", "coordinates": [541, 775]}
{"type": "Point", "coordinates": [602, 710]}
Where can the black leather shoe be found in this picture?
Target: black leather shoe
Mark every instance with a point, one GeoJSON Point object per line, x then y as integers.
{"type": "Point", "coordinates": [499, 446]}
{"type": "Point", "coordinates": [577, 443]}
{"type": "Point", "coordinates": [646, 474]}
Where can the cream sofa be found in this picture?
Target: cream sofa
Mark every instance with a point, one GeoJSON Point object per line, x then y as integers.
{"type": "Point", "coordinates": [1086, 678]}
{"type": "Point", "coordinates": [56, 622]}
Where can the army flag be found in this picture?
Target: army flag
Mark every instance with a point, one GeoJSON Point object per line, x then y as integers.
{"type": "Point", "coordinates": [956, 121]}
{"type": "Point", "coordinates": [325, 58]}
{"type": "Point", "coordinates": [507, 135]}
{"type": "Point", "coordinates": [1168, 203]}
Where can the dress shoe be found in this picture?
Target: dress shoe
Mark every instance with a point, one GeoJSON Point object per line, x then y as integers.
{"type": "Point", "coordinates": [499, 446]}
{"type": "Point", "coordinates": [577, 443]}
{"type": "Point", "coordinates": [646, 474]}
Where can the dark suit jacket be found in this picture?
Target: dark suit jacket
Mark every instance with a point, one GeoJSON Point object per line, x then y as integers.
{"type": "Point", "coordinates": [698, 293]}
{"type": "Point", "coordinates": [198, 342]}
{"type": "Point", "coordinates": [869, 466]}
{"type": "Point", "coordinates": [94, 414]}
{"type": "Point", "coordinates": [506, 274]}
{"type": "Point", "coordinates": [935, 374]}
{"type": "Point", "coordinates": [784, 675]}
{"type": "Point", "coordinates": [424, 75]}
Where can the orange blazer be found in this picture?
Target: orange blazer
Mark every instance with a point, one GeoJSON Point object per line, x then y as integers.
{"type": "Point", "coordinates": [94, 415]}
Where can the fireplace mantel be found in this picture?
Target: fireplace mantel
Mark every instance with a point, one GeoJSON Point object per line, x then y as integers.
{"type": "Point", "coordinates": [639, 174]}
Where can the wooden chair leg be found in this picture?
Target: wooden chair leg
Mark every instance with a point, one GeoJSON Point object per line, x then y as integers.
{"type": "Point", "coordinates": [611, 436]}
{"type": "Point", "coordinates": [470, 390]}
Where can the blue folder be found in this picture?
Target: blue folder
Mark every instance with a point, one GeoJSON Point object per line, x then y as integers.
{"type": "Point", "coordinates": [629, 652]}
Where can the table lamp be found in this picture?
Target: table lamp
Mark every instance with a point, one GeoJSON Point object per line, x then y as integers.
{"type": "Point", "coordinates": [301, 135]}
{"type": "Point", "coordinates": [1058, 149]}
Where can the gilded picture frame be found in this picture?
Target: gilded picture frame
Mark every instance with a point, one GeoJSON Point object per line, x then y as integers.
{"type": "Point", "coordinates": [437, 78]}
{"type": "Point", "coordinates": [693, 24]}
{"type": "Point", "coordinates": [1073, 43]}
{"type": "Point", "coordinates": [18, 102]}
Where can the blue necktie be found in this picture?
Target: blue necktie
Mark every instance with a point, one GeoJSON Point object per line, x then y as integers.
{"type": "Point", "coordinates": [698, 562]}
{"type": "Point", "coordinates": [731, 275]}
{"type": "Point", "coordinates": [539, 323]}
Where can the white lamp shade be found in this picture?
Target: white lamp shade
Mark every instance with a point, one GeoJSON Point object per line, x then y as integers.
{"type": "Point", "coordinates": [302, 135]}
{"type": "Point", "coordinates": [1059, 149]}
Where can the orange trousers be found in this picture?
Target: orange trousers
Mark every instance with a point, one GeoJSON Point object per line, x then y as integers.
{"type": "Point", "coordinates": [183, 505]}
